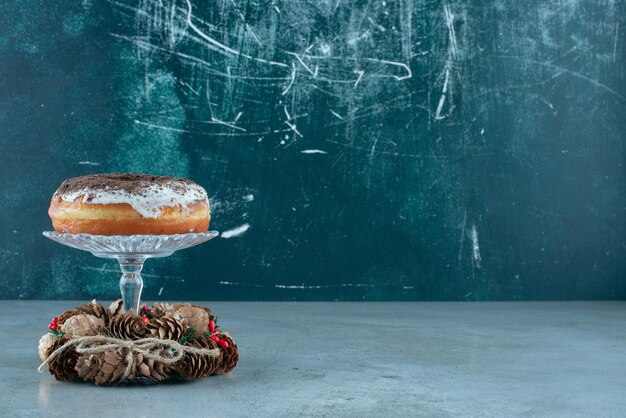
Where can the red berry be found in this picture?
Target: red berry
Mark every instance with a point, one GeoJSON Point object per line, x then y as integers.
{"type": "Point", "coordinates": [214, 338]}
{"type": "Point", "coordinates": [211, 326]}
{"type": "Point", "coordinates": [222, 343]}
{"type": "Point", "coordinates": [144, 307]}
{"type": "Point", "coordinates": [145, 320]}
{"type": "Point", "coordinates": [51, 326]}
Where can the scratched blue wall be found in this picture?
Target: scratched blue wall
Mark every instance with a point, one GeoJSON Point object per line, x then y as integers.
{"type": "Point", "coordinates": [412, 149]}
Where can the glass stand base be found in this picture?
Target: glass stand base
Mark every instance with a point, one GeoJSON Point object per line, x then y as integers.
{"type": "Point", "coordinates": [131, 251]}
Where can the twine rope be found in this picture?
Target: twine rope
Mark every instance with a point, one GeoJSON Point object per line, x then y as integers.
{"type": "Point", "coordinates": [144, 346]}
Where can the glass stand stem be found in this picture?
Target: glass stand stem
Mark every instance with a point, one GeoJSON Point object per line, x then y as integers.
{"type": "Point", "coordinates": [131, 282]}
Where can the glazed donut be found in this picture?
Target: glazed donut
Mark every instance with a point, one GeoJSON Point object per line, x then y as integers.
{"type": "Point", "coordinates": [128, 204]}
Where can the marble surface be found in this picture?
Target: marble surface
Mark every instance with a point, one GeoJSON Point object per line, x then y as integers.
{"type": "Point", "coordinates": [358, 359]}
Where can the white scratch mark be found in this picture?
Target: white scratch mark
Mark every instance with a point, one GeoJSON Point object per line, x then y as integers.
{"type": "Point", "coordinates": [442, 99]}
{"type": "Point", "coordinates": [294, 128]}
{"type": "Point", "coordinates": [287, 113]}
{"type": "Point", "coordinates": [337, 115]}
{"type": "Point", "coordinates": [570, 72]}
{"type": "Point", "coordinates": [235, 232]}
{"type": "Point", "coordinates": [190, 88]}
{"type": "Point", "coordinates": [220, 46]}
{"type": "Point", "coordinates": [313, 151]}
{"type": "Point", "coordinates": [462, 238]}
{"type": "Point", "coordinates": [358, 80]}
{"type": "Point", "coordinates": [204, 35]}
{"type": "Point", "coordinates": [160, 291]}
{"type": "Point", "coordinates": [248, 197]}
{"type": "Point", "coordinates": [277, 9]}
{"type": "Point", "coordinates": [326, 56]}
{"type": "Point", "coordinates": [239, 284]}
{"type": "Point", "coordinates": [292, 79]}
{"type": "Point", "coordinates": [127, 7]}
{"type": "Point", "coordinates": [165, 128]}
{"type": "Point", "coordinates": [88, 163]}
{"type": "Point", "coordinates": [373, 148]}
{"type": "Point", "coordinates": [306, 67]}
{"type": "Point", "coordinates": [615, 41]}
{"type": "Point", "coordinates": [230, 125]}
{"type": "Point", "coordinates": [376, 25]}
{"type": "Point", "coordinates": [475, 246]}
{"type": "Point", "coordinates": [321, 286]}
{"type": "Point", "coordinates": [256, 38]}
{"type": "Point", "coordinates": [238, 116]}
{"type": "Point", "coordinates": [305, 287]}
{"type": "Point", "coordinates": [207, 65]}
{"type": "Point", "coordinates": [451, 33]}
{"type": "Point", "coordinates": [409, 73]}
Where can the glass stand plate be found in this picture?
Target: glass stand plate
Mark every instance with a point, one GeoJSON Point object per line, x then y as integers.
{"type": "Point", "coordinates": [131, 251]}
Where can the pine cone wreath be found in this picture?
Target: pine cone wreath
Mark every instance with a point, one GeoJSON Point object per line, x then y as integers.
{"type": "Point", "coordinates": [81, 325]}
{"type": "Point", "coordinates": [127, 327]}
{"type": "Point", "coordinates": [62, 367]}
{"type": "Point", "coordinates": [96, 309]}
{"type": "Point", "coordinates": [197, 366]}
{"type": "Point", "coordinates": [230, 355]}
{"type": "Point", "coordinates": [102, 368]}
{"type": "Point", "coordinates": [167, 328]}
{"type": "Point", "coordinates": [187, 324]}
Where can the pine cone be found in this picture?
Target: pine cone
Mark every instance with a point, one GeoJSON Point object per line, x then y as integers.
{"type": "Point", "coordinates": [127, 327]}
{"type": "Point", "coordinates": [82, 324]}
{"type": "Point", "coordinates": [196, 366]}
{"type": "Point", "coordinates": [197, 318]}
{"type": "Point", "coordinates": [149, 368]}
{"type": "Point", "coordinates": [63, 366]}
{"type": "Point", "coordinates": [230, 355]}
{"type": "Point", "coordinates": [45, 343]}
{"type": "Point", "coordinates": [68, 314]}
{"type": "Point", "coordinates": [208, 311]}
{"type": "Point", "coordinates": [116, 307]}
{"type": "Point", "coordinates": [102, 368]}
{"type": "Point", "coordinates": [167, 328]}
{"type": "Point", "coordinates": [96, 309]}
{"type": "Point", "coordinates": [160, 309]}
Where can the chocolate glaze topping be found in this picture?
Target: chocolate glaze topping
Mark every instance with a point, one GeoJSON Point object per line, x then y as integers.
{"type": "Point", "coordinates": [129, 182]}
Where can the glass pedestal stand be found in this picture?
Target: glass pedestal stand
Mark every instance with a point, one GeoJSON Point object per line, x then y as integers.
{"type": "Point", "coordinates": [131, 251]}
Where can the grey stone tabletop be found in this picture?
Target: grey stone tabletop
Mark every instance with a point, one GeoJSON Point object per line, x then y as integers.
{"type": "Point", "coordinates": [500, 359]}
